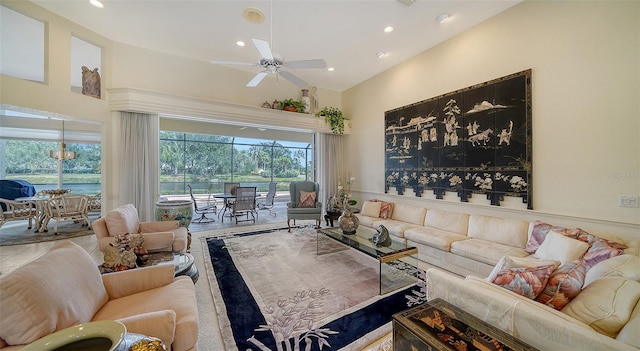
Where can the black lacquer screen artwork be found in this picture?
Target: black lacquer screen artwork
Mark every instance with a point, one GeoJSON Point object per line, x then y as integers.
{"type": "Point", "coordinates": [476, 140]}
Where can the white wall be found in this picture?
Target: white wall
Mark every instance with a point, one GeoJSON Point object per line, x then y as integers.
{"type": "Point", "coordinates": [585, 61]}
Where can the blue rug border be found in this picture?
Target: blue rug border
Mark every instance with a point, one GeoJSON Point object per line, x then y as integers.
{"type": "Point", "coordinates": [234, 290]}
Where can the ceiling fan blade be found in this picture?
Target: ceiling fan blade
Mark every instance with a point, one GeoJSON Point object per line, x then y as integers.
{"type": "Point", "coordinates": [319, 63]}
{"type": "Point", "coordinates": [293, 79]}
{"type": "Point", "coordinates": [257, 79]}
{"type": "Point", "coordinates": [263, 48]}
{"type": "Point", "coordinates": [216, 62]}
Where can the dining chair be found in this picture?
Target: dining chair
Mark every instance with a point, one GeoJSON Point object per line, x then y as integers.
{"type": "Point", "coordinates": [244, 204]}
{"type": "Point", "coordinates": [17, 210]}
{"type": "Point", "coordinates": [65, 208]}
{"type": "Point", "coordinates": [269, 200]}
{"type": "Point", "coordinates": [203, 208]}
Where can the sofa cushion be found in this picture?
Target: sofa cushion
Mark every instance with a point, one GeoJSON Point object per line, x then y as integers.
{"type": "Point", "coordinates": [485, 251]}
{"type": "Point", "coordinates": [366, 220]}
{"type": "Point", "coordinates": [629, 333]}
{"type": "Point", "coordinates": [561, 248]}
{"type": "Point", "coordinates": [626, 265]}
{"type": "Point", "coordinates": [440, 239]}
{"type": "Point", "coordinates": [507, 262]}
{"type": "Point", "coordinates": [525, 281]}
{"type": "Point", "coordinates": [508, 232]}
{"type": "Point", "coordinates": [450, 221]}
{"type": "Point", "coordinates": [123, 220]}
{"type": "Point", "coordinates": [410, 214]}
{"type": "Point", "coordinates": [371, 208]}
{"type": "Point", "coordinates": [564, 284]}
{"type": "Point", "coordinates": [58, 290]}
{"type": "Point", "coordinates": [606, 304]}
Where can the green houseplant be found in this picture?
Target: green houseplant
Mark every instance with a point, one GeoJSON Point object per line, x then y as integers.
{"type": "Point", "coordinates": [334, 118]}
{"type": "Point", "coordinates": [293, 105]}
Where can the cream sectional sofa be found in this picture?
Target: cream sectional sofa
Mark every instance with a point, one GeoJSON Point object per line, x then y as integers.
{"type": "Point", "coordinates": [603, 315]}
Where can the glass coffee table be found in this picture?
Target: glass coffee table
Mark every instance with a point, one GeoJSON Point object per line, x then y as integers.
{"type": "Point", "coordinates": [397, 262]}
{"type": "Point", "coordinates": [183, 263]}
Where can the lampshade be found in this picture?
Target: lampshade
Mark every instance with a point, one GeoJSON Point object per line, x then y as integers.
{"type": "Point", "coordinates": [62, 154]}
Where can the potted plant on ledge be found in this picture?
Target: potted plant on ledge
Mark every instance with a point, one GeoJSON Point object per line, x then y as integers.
{"type": "Point", "coordinates": [334, 118]}
{"type": "Point", "coordinates": [293, 105]}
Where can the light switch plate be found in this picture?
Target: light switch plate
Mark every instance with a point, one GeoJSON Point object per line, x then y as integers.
{"type": "Point", "coordinates": [628, 201]}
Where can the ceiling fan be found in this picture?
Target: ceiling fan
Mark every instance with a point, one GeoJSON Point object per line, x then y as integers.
{"type": "Point", "coordinates": [273, 63]}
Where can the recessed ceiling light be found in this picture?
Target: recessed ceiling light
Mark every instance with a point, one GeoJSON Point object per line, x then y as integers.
{"type": "Point", "coordinates": [96, 3]}
{"type": "Point", "coordinates": [388, 29]}
{"type": "Point", "coordinates": [331, 69]}
{"type": "Point", "coordinates": [380, 54]}
{"type": "Point", "coordinates": [253, 15]}
{"type": "Point", "coordinates": [443, 18]}
{"type": "Point", "coordinates": [240, 43]}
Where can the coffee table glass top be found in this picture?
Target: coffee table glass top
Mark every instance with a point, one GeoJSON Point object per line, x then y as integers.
{"type": "Point", "coordinates": [361, 241]}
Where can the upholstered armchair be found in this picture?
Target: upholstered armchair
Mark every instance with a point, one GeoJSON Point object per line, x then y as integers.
{"type": "Point", "coordinates": [64, 287]}
{"type": "Point", "coordinates": [304, 202]}
{"type": "Point", "coordinates": [158, 235]}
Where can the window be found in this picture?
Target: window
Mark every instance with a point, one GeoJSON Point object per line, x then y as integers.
{"type": "Point", "coordinates": [206, 162]}
{"type": "Point", "coordinates": [22, 38]}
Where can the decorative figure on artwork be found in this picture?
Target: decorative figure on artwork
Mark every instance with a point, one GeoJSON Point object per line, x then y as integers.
{"type": "Point", "coordinates": [90, 82]}
{"type": "Point", "coordinates": [481, 137]}
{"type": "Point", "coordinates": [506, 136]}
{"type": "Point", "coordinates": [473, 128]}
{"type": "Point", "coordinates": [406, 143]}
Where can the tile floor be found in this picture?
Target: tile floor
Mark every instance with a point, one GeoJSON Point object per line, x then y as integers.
{"type": "Point", "coordinates": [12, 257]}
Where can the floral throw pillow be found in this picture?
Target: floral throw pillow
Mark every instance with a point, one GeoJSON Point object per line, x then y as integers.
{"type": "Point", "coordinates": [525, 281]}
{"type": "Point", "coordinates": [541, 229]}
{"type": "Point", "coordinates": [601, 250]}
{"type": "Point", "coordinates": [307, 199]}
{"type": "Point", "coordinates": [564, 284]}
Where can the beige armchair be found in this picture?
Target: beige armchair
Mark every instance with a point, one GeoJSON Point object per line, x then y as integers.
{"type": "Point", "coordinates": [64, 288]}
{"type": "Point", "coordinates": [158, 235]}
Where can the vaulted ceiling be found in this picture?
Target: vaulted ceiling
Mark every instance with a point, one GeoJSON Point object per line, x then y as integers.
{"type": "Point", "coordinates": [348, 35]}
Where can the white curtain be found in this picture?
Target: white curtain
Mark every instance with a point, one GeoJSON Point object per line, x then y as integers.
{"type": "Point", "coordinates": [139, 182]}
{"type": "Point", "coordinates": [330, 155]}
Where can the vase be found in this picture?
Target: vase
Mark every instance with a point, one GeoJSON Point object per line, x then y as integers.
{"type": "Point", "coordinates": [306, 100]}
{"type": "Point", "coordinates": [175, 210]}
{"type": "Point", "coordinates": [347, 222]}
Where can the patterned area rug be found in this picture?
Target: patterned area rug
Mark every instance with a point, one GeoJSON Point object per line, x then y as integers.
{"type": "Point", "coordinates": [273, 292]}
{"type": "Point", "coordinates": [16, 233]}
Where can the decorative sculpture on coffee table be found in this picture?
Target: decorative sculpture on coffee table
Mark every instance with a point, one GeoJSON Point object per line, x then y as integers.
{"type": "Point", "coordinates": [381, 237]}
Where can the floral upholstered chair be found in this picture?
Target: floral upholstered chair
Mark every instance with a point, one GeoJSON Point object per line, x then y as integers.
{"type": "Point", "coordinates": [304, 202]}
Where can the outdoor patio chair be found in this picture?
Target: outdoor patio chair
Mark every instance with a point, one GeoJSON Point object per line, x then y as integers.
{"type": "Point", "coordinates": [269, 200]}
{"type": "Point", "coordinates": [244, 204]}
{"type": "Point", "coordinates": [203, 208]}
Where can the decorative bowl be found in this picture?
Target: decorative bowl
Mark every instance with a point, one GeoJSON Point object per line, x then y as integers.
{"type": "Point", "coordinates": [92, 336]}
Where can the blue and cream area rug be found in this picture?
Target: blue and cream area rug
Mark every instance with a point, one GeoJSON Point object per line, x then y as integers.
{"type": "Point", "coordinates": [273, 292]}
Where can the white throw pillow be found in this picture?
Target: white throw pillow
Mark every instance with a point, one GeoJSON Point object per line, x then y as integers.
{"type": "Point", "coordinates": [561, 248]}
{"type": "Point", "coordinates": [371, 209]}
{"type": "Point", "coordinates": [626, 265]}
{"type": "Point", "coordinates": [606, 304]}
{"type": "Point", "coordinates": [507, 262]}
